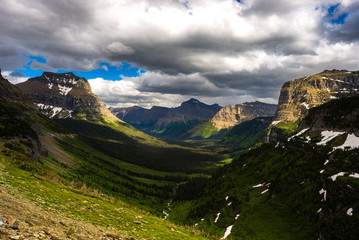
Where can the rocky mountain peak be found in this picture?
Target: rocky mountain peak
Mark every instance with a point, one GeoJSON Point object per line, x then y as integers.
{"type": "Point", "coordinates": [64, 95]}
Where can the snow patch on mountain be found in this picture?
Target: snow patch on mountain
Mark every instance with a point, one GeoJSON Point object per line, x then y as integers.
{"type": "Point", "coordinates": [327, 136]}
{"type": "Point", "coordinates": [228, 231]}
{"type": "Point", "coordinates": [341, 174]}
{"type": "Point", "coordinates": [265, 191]}
{"type": "Point", "coordinates": [215, 220]}
{"type": "Point", "coordinates": [63, 90]}
{"type": "Point", "coordinates": [258, 185]}
{"type": "Point", "coordinates": [298, 134]}
{"type": "Point", "coordinates": [325, 194]}
{"type": "Point", "coordinates": [352, 141]}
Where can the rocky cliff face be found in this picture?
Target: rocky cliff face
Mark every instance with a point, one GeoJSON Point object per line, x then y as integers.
{"type": "Point", "coordinates": [232, 115]}
{"type": "Point", "coordinates": [64, 95]}
{"type": "Point", "coordinates": [297, 96]}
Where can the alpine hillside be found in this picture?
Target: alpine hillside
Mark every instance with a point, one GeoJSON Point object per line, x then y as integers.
{"type": "Point", "coordinates": [304, 186]}
{"type": "Point", "coordinates": [81, 179]}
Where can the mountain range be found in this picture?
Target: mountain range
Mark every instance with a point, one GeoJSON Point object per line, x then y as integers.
{"type": "Point", "coordinates": [69, 169]}
{"type": "Point", "coordinates": [167, 122]}
{"type": "Point", "coordinates": [192, 119]}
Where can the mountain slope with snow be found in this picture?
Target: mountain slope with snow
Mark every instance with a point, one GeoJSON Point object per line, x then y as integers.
{"type": "Point", "coordinates": [301, 187]}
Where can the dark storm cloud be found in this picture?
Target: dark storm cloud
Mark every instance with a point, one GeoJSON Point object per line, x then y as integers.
{"type": "Point", "coordinates": [191, 85]}
{"type": "Point", "coordinates": [263, 84]}
{"type": "Point", "coordinates": [47, 28]}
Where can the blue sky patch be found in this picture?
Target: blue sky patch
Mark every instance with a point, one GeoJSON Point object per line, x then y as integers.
{"type": "Point", "coordinates": [332, 9]}
{"type": "Point", "coordinates": [105, 70]}
{"type": "Point", "coordinates": [340, 19]}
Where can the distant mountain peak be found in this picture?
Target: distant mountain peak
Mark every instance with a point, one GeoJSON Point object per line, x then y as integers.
{"type": "Point", "coordinates": [193, 100]}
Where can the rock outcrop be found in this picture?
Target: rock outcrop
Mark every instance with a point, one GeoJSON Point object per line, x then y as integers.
{"type": "Point", "coordinates": [64, 95]}
{"type": "Point", "coordinates": [297, 96]}
{"type": "Point", "coordinates": [232, 115]}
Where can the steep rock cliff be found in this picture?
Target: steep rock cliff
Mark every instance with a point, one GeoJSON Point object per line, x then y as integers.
{"type": "Point", "coordinates": [297, 96]}
{"type": "Point", "coordinates": [232, 115]}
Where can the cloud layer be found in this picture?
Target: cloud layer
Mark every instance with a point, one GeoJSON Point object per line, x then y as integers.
{"type": "Point", "coordinates": [216, 50]}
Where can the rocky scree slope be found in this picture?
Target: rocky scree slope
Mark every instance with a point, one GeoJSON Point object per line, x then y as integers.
{"type": "Point", "coordinates": [65, 95]}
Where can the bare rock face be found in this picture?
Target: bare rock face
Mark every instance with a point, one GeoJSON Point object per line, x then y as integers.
{"type": "Point", "coordinates": [64, 95]}
{"type": "Point", "coordinates": [297, 96]}
{"type": "Point", "coordinates": [232, 115]}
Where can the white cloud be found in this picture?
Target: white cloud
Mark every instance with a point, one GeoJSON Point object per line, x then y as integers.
{"type": "Point", "coordinates": [209, 48]}
{"type": "Point", "coordinates": [104, 67]}
{"type": "Point", "coordinates": [13, 79]}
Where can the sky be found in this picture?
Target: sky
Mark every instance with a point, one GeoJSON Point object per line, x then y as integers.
{"type": "Point", "coordinates": [163, 52]}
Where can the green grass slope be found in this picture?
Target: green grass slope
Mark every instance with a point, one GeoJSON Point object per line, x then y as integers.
{"type": "Point", "coordinates": [108, 216]}
{"type": "Point", "coordinates": [133, 166]}
{"type": "Point", "coordinates": [246, 135]}
{"type": "Point", "coordinates": [205, 130]}
{"type": "Point", "coordinates": [286, 205]}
